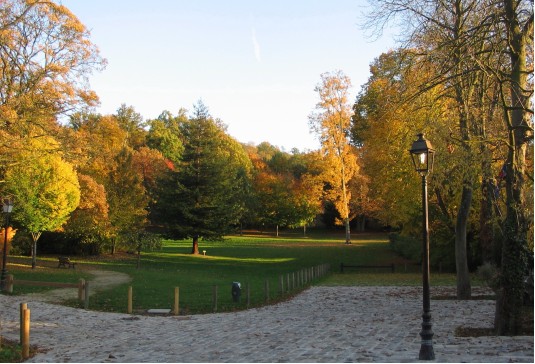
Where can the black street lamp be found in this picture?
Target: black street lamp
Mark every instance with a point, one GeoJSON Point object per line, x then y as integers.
{"type": "Point", "coordinates": [7, 207]}
{"type": "Point", "coordinates": [423, 157]}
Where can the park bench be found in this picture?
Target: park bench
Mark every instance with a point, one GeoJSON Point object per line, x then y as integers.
{"type": "Point", "coordinates": [65, 262]}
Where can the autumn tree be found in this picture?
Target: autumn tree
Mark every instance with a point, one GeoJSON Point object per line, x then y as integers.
{"type": "Point", "coordinates": [46, 57]}
{"type": "Point", "coordinates": [89, 222]}
{"type": "Point", "coordinates": [126, 198]}
{"type": "Point", "coordinates": [132, 123]}
{"type": "Point", "coordinates": [126, 174]}
{"type": "Point", "coordinates": [45, 188]}
{"type": "Point", "coordinates": [331, 122]}
{"type": "Point", "coordinates": [165, 135]}
{"type": "Point", "coordinates": [466, 41]}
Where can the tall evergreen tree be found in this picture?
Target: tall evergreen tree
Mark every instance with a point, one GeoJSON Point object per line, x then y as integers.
{"type": "Point", "coordinates": [202, 197]}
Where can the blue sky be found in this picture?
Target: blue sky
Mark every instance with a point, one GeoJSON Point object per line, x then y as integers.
{"type": "Point", "coordinates": [253, 63]}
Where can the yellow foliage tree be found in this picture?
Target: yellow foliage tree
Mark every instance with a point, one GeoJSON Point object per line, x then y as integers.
{"type": "Point", "coordinates": [331, 122]}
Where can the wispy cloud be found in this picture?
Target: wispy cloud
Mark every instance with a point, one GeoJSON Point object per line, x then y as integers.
{"type": "Point", "coordinates": [256, 45]}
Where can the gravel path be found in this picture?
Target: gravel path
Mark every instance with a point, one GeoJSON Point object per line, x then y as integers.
{"type": "Point", "coordinates": [322, 324]}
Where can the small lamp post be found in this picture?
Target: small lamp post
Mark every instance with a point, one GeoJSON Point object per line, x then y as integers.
{"type": "Point", "coordinates": [423, 156]}
{"type": "Point", "coordinates": [7, 207]}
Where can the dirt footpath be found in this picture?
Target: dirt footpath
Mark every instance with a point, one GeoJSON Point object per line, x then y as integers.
{"type": "Point", "coordinates": [102, 279]}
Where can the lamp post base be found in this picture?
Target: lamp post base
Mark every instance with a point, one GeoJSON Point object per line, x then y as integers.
{"type": "Point", "coordinates": [426, 350]}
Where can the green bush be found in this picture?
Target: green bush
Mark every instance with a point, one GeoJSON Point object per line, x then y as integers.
{"type": "Point", "coordinates": [406, 246]}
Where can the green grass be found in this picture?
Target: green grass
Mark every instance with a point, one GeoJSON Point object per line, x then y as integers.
{"type": "Point", "coordinates": [251, 259]}
{"type": "Point", "coordinates": [11, 352]}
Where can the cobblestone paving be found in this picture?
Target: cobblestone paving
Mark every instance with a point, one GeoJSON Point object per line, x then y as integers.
{"type": "Point", "coordinates": [323, 324]}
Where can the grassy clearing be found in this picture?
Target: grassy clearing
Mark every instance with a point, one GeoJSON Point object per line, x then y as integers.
{"type": "Point", "coordinates": [251, 259]}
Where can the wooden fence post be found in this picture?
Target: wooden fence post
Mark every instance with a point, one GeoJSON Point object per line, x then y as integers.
{"type": "Point", "coordinates": [281, 284]}
{"type": "Point", "coordinates": [288, 282]}
{"type": "Point", "coordinates": [129, 305]}
{"type": "Point", "coordinates": [25, 334]}
{"type": "Point", "coordinates": [86, 295]}
{"type": "Point", "coordinates": [175, 309]}
{"type": "Point", "coordinates": [9, 283]}
{"type": "Point", "coordinates": [81, 286]}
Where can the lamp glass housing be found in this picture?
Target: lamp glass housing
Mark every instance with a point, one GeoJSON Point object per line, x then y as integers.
{"type": "Point", "coordinates": [7, 206]}
{"type": "Point", "coordinates": [423, 155]}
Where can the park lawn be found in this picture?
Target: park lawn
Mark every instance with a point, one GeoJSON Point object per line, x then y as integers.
{"type": "Point", "coordinates": [249, 259]}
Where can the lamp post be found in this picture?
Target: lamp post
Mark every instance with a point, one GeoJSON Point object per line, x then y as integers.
{"type": "Point", "coordinates": [423, 156]}
{"type": "Point", "coordinates": [7, 207]}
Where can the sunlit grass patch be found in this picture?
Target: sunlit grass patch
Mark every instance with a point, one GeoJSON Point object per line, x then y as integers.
{"type": "Point", "coordinates": [252, 259]}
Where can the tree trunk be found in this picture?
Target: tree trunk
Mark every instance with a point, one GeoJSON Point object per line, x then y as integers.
{"type": "Point", "coordinates": [277, 231]}
{"type": "Point", "coordinates": [361, 223]}
{"type": "Point", "coordinates": [486, 217]}
{"type": "Point", "coordinates": [195, 249]}
{"type": "Point", "coordinates": [112, 248]}
{"type": "Point", "coordinates": [515, 248]}
{"type": "Point", "coordinates": [138, 258]}
{"type": "Point", "coordinates": [461, 259]}
{"type": "Point", "coordinates": [35, 237]}
{"type": "Point", "coordinates": [348, 231]}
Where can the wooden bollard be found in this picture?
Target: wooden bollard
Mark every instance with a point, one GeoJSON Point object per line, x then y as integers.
{"type": "Point", "coordinates": [25, 333]}
{"type": "Point", "coordinates": [23, 306]}
{"type": "Point", "coordinates": [129, 306]}
{"type": "Point", "coordinates": [175, 307]}
{"type": "Point", "coordinates": [81, 287]}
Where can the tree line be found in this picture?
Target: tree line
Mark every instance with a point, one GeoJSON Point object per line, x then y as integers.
{"type": "Point", "coordinates": [464, 77]}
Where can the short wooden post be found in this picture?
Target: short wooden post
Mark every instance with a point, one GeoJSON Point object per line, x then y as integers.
{"type": "Point", "coordinates": [288, 282]}
{"type": "Point", "coordinates": [25, 334]}
{"type": "Point", "coordinates": [175, 309]}
{"type": "Point", "coordinates": [281, 284]}
{"type": "Point", "coordinates": [86, 295]}
{"type": "Point", "coordinates": [81, 286]}
{"type": "Point", "coordinates": [214, 298]}
{"type": "Point", "coordinates": [266, 290]}
{"type": "Point", "coordinates": [23, 306]}
{"type": "Point", "coordinates": [129, 306]}
{"type": "Point", "coordinates": [9, 283]}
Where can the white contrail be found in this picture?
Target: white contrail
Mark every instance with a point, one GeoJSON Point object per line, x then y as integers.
{"type": "Point", "coordinates": [256, 45]}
